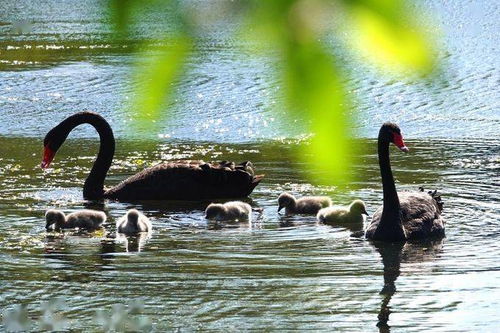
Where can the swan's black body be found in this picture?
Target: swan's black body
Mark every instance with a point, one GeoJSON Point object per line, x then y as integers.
{"type": "Point", "coordinates": [175, 180]}
{"type": "Point", "coordinates": [187, 180]}
{"type": "Point", "coordinates": [409, 215]}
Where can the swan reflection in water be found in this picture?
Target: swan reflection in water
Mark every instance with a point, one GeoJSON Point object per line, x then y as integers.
{"type": "Point", "coordinates": [133, 243]}
{"type": "Point", "coordinates": [256, 224]}
{"type": "Point", "coordinates": [393, 254]}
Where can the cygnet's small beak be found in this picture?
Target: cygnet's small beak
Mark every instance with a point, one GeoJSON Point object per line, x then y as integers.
{"type": "Point", "coordinates": [365, 212]}
{"type": "Point", "coordinates": [280, 208]}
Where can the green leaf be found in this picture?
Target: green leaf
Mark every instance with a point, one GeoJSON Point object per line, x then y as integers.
{"type": "Point", "coordinates": [121, 12]}
{"type": "Point", "coordinates": [154, 78]}
{"type": "Point", "coordinates": [314, 90]}
{"type": "Point", "coordinates": [312, 85]}
{"type": "Point", "coordinates": [386, 35]}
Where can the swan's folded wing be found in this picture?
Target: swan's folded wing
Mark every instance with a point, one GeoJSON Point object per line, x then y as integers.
{"type": "Point", "coordinates": [185, 180]}
{"type": "Point", "coordinates": [420, 215]}
{"type": "Point", "coordinates": [227, 183]}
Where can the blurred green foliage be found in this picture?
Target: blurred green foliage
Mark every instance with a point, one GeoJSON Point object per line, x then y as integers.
{"type": "Point", "coordinates": [155, 76]}
{"type": "Point", "coordinates": [385, 32]}
{"type": "Point", "coordinates": [51, 316]}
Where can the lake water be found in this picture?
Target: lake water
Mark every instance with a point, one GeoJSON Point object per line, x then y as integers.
{"type": "Point", "coordinates": [278, 273]}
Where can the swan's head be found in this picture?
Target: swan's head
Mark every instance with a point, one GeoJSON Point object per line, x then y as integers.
{"type": "Point", "coordinates": [392, 133]}
{"type": "Point", "coordinates": [358, 207]}
{"type": "Point", "coordinates": [285, 200]}
{"type": "Point", "coordinates": [52, 142]}
{"type": "Point", "coordinates": [214, 210]}
{"type": "Point", "coordinates": [54, 217]}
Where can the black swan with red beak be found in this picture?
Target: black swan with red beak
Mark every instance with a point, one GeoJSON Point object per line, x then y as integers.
{"type": "Point", "coordinates": [175, 180]}
{"type": "Point", "coordinates": [407, 215]}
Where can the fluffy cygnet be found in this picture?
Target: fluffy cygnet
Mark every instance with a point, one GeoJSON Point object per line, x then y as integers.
{"type": "Point", "coordinates": [232, 210]}
{"type": "Point", "coordinates": [343, 215]}
{"type": "Point", "coordinates": [83, 219]}
{"type": "Point", "coordinates": [304, 205]}
{"type": "Point", "coordinates": [133, 222]}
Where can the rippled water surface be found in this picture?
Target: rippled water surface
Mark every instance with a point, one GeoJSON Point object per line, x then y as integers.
{"type": "Point", "coordinates": [277, 273]}
{"type": "Point", "coordinates": [229, 94]}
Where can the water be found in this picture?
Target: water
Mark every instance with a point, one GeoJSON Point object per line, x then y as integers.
{"type": "Point", "coordinates": [278, 273]}
{"type": "Point", "coordinates": [285, 273]}
{"type": "Point", "coordinates": [67, 64]}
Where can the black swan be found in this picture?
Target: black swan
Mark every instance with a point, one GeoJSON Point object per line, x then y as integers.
{"type": "Point", "coordinates": [232, 210]}
{"type": "Point", "coordinates": [133, 222]}
{"type": "Point", "coordinates": [409, 215]}
{"type": "Point", "coordinates": [343, 215]}
{"type": "Point", "coordinates": [84, 219]}
{"type": "Point", "coordinates": [304, 205]}
{"type": "Point", "coordinates": [175, 180]}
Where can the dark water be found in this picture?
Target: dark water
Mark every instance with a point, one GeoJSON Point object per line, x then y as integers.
{"type": "Point", "coordinates": [277, 273]}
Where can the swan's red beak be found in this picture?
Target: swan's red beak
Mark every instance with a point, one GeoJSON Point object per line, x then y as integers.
{"type": "Point", "coordinates": [48, 156]}
{"type": "Point", "coordinates": [399, 142]}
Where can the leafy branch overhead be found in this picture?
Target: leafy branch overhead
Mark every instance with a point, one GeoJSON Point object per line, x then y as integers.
{"type": "Point", "coordinates": [307, 38]}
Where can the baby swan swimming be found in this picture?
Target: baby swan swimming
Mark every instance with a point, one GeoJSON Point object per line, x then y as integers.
{"type": "Point", "coordinates": [231, 210]}
{"type": "Point", "coordinates": [84, 219]}
{"type": "Point", "coordinates": [133, 222]}
{"type": "Point", "coordinates": [344, 215]}
{"type": "Point", "coordinates": [304, 205]}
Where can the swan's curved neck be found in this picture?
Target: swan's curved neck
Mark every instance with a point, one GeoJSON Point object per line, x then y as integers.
{"type": "Point", "coordinates": [94, 184]}
{"type": "Point", "coordinates": [390, 222]}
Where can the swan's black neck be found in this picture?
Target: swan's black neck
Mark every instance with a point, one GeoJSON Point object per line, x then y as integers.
{"type": "Point", "coordinates": [94, 184]}
{"type": "Point", "coordinates": [389, 227]}
{"type": "Point", "coordinates": [391, 200]}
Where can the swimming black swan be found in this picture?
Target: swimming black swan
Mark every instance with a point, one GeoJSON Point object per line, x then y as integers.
{"type": "Point", "coordinates": [82, 219]}
{"type": "Point", "coordinates": [133, 222]}
{"type": "Point", "coordinates": [175, 180]}
{"type": "Point", "coordinates": [409, 215]}
{"type": "Point", "coordinates": [304, 205]}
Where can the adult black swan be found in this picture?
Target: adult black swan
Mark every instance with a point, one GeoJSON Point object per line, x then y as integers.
{"type": "Point", "coordinates": [409, 215]}
{"type": "Point", "coordinates": [175, 180]}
